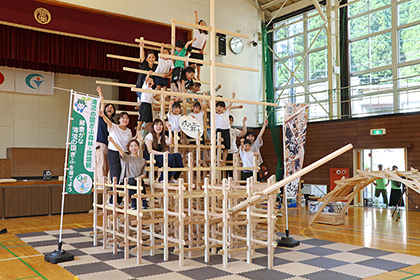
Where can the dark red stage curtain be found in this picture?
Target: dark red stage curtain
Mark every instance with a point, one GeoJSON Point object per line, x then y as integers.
{"type": "Point", "coordinates": [30, 49]}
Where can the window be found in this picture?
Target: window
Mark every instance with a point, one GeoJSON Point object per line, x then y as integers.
{"type": "Point", "coordinates": [384, 76]}
{"type": "Point", "coordinates": [384, 56]}
{"type": "Point", "coordinates": [300, 44]}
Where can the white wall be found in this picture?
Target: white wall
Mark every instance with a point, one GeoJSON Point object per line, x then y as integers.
{"type": "Point", "coordinates": [28, 120]}
{"type": "Point", "coordinates": [233, 15]}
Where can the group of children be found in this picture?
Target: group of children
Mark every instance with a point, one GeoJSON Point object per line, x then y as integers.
{"type": "Point", "coordinates": [119, 151]}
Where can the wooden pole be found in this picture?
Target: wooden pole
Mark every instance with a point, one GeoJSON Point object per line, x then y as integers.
{"type": "Point", "coordinates": [152, 201]}
{"type": "Point", "coordinates": [207, 62]}
{"type": "Point", "coordinates": [249, 232]}
{"type": "Point", "coordinates": [105, 214]}
{"type": "Point", "coordinates": [175, 57]}
{"type": "Point", "coordinates": [157, 44]}
{"type": "Point", "coordinates": [106, 83]}
{"type": "Point", "coordinates": [207, 219]}
{"type": "Point", "coordinates": [208, 28]}
{"type": "Point", "coordinates": [225, 223]}
{"type": "Point", "coordinates": [122, 57]}
{"type": "Point", "coordinates": [276, 187]}
{"type": "Point", "coordinates": [173, 34]}
{"type": "Point", "coordinates": [165, 208]}
{"type": "Point", "coordinates": [126, 221]}
{"type": "Point", "coordinates": [204, 97]}
{"type": "Point", "coordinates": [181, 222]}
{"type": "Point", "coordinates": [114, 215]}
{"type": "Point", "coordinates": [119, 102]}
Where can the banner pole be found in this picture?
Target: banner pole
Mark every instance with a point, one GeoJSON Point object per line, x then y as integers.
{"type": "Point", "coordinates": [287, 240]}
{"type": "Point", "coordinates": [60, 255]}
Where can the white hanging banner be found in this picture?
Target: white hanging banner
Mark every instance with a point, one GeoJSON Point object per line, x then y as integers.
{"type": "Point", "coordinates": [34, 82]}
{"type": "Point", "coordinates": [294, 139]}
{"type": "Point", "coordinates": [7, 79]}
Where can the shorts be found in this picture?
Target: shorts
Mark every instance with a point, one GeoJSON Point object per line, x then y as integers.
{"type": "Point", "coordinates": [225, 134]}
{"type": "Point", "coordinates": [176, 74]}
{"type": "Point", "coordinates": [246, 174]}
{"type": "Point", "coordinates": [145, 112]}
{"type": "Point", "coordinates": [160, 81]}
{"type": "Point", "coordinates": [196, 56]}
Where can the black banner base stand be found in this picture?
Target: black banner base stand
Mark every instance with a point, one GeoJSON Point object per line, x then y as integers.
{"type": "Point", "coordinates": [59, 255]}
{"type": "Point", "coordinates": [287, 241]}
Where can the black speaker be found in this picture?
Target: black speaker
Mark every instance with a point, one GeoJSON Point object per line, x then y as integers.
{"type": "Point", "coordinates": [221, 44]}
{"type": "Point", "coordinates": [47, 175]}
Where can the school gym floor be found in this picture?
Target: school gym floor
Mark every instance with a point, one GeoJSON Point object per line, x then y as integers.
{"type": "Point", "coordinates": [365, 227]}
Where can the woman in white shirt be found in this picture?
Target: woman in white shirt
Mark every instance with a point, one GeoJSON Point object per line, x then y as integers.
{"type": "Point", "coordinates": [157, 143]}
{"type": "Point", "coordinates": [121, 135]}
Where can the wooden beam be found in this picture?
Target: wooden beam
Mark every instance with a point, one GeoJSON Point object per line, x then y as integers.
{"type": "Point", "coordinates": [120, 102]}
{"type": "Point", "coordinates": [270, 4]}
{"type": "Point", "coordinates": [205, 97]}
{"type": "Point", "coordinates": [157, 44]}
{"type": "Point", "coordinates": [134, 59]}
{"type": "Point", "coordinates": [300, 173]}
{"type": "Point", "coordinates": [129, 69]}
{"type": "Point", "coordinates": [132, 113]}
{"type": "Point", "coordinates": [207, 62]}
{"type": "Point", "coordinates": [175, 57]}
{"type": "Point", "coordinates": [197, 26]}
{"type": "Point", "coordinates": [135, 70]}
{"type": "Point", "coordinates": [106, 83]}
{"type": "Point", "coordinates": [122, 57]}
{"type": "Point", "coordinates": [231, 66]}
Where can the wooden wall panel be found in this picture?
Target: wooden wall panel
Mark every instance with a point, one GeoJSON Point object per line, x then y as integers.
{"type": "Point", "coordinates": [31, 162]}
{"type": "Point", "coordinates": [73, 203]}
{"type": "Point", "coordinates": [2, 202]}
{"type": "Point", "coordinates": [27, 201]}
{"type": "Point", "coordinates": [4, 168]}
{"type": "Point", "coordinates": [402, 131]}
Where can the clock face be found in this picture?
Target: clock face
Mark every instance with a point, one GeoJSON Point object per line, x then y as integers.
{"type": "Point", "coordinates": [236, 45]}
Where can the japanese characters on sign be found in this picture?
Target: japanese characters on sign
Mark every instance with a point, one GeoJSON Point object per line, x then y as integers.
{"type": "Point", "coordinates": [82, 145]}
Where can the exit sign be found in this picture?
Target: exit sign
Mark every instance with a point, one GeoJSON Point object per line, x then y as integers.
{"type": "Point", "coordinates": [378, 131]}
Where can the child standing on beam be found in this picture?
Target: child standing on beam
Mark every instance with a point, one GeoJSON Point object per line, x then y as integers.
{"type": "Point", "coordinates": [223, 125]}
{"type": "Point", "coordinates": [165, 66]}
{"type": "Point", "coordinates": [180, 50]}
{"type": "Point", "coordinates": [199, 44]}
{"type": "Point", "coordinates": [257, 142]}
{"type": "Point", "coordinates": [145, 109]}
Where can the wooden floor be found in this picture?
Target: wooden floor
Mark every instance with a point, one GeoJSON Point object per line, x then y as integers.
{"type": "Point", "coordinates": [369, 227]}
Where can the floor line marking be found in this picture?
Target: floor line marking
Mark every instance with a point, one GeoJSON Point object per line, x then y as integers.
{"type": "Point", "coordinates": [31, 256]}
{"type": "Point", "coordinates": [33, 269]}
{"type": "Point", "coordinates": [15, 246]}
{"type": "Point", "coordinates": [26, 277]}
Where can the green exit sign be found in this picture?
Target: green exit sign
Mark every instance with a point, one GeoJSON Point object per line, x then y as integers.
{"type": "Point", "coordinates": [378, 131]}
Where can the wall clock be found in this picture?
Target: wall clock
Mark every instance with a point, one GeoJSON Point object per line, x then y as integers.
{"type": "Point", "coordinates": [236, 45]}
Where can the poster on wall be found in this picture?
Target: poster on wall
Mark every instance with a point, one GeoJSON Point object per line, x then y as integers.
{"type": "Point", "coordinates": [34, 82]}
{"type": "Point", "coordinates": [294, 139]}
{"type": "Point", "coordinates": [82, 144]}
{"type": "Point", "coordinates": [7, 79]}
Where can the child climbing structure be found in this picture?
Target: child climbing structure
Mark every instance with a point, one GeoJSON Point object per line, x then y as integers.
{"type": "Point", "coordinates": [203, 212]}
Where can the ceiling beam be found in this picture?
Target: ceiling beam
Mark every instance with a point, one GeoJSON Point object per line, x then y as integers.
{"type": "Point", "coordinates": [270, 4]}
{"type": "Point", "coordinates": [293, 7]}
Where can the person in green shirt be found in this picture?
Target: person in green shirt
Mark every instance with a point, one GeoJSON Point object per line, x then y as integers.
{"type": "Point", "coordinates": [380, 187]}
{"type": "Point", "coordinates": [180, 50]}
{"type": "Point", "coordinates": [395, 191]}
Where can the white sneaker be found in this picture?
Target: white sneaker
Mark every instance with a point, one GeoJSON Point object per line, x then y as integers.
{"type": "Point", "coordinates": [173, 181]}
